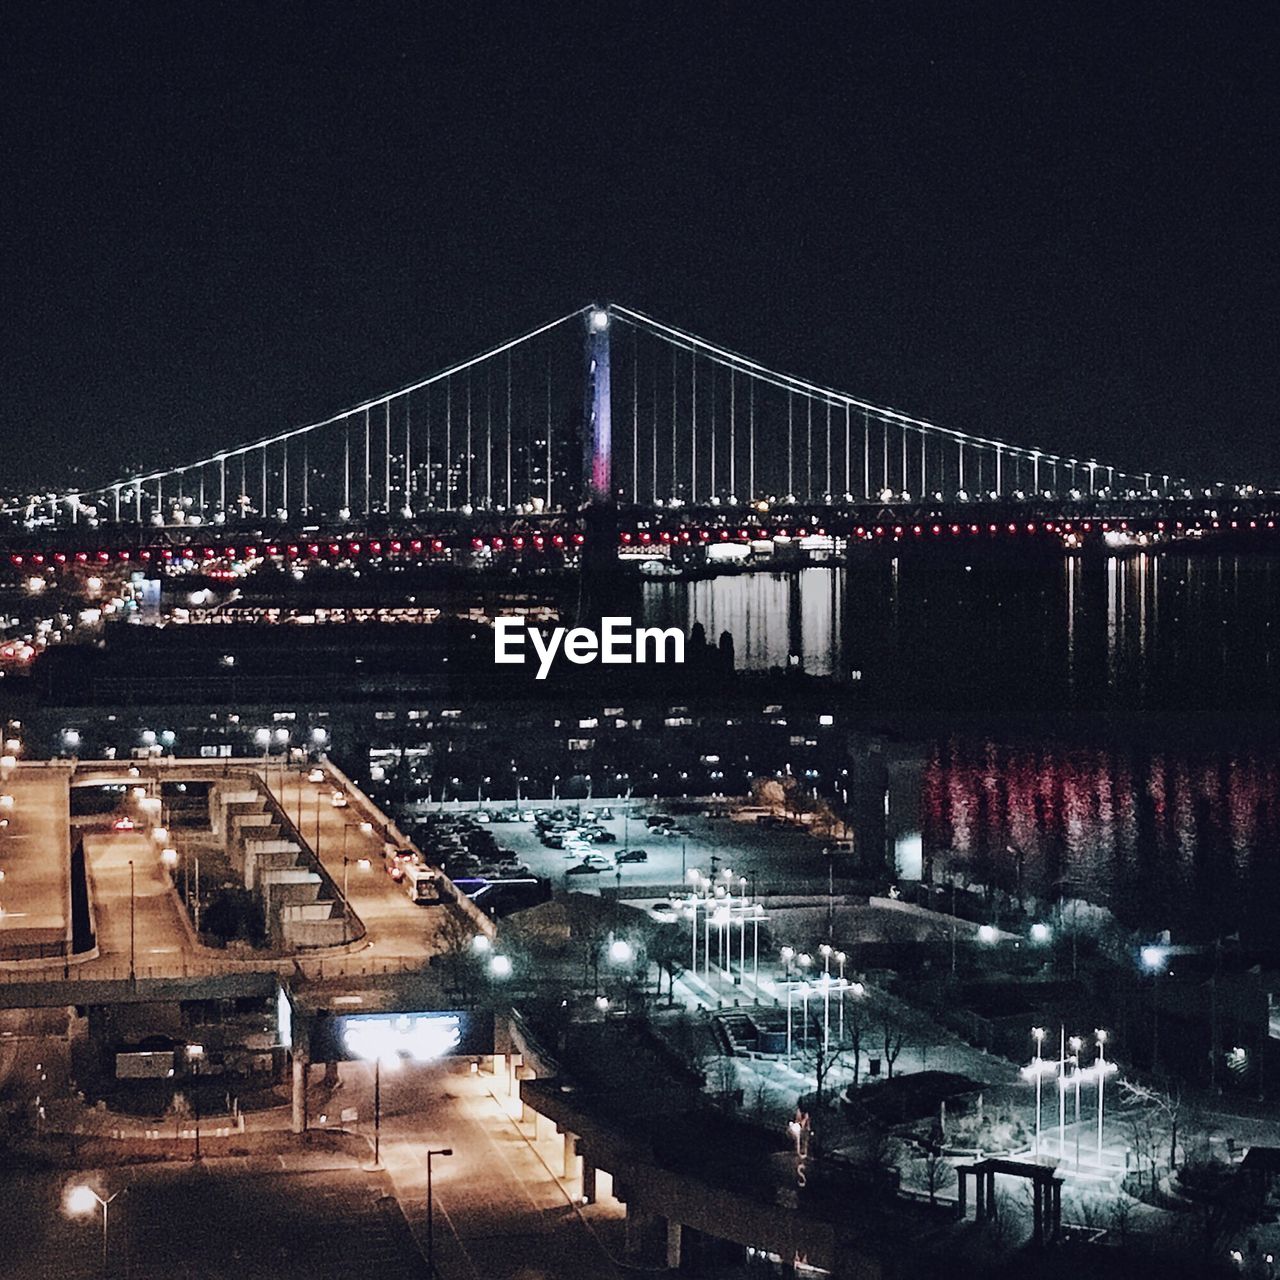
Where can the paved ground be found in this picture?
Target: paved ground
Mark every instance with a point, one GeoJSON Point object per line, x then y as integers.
{"type": "Point", "coordinates": [397, 926]}
{"type": "Point", "coordinates": [772, 860]}
{"type": "Point", "coordinates": [34, 857]}
{"type": "Point", "coordinates": [500, 1209]}
{"type": "Point", "coordinates": [218, 1219]}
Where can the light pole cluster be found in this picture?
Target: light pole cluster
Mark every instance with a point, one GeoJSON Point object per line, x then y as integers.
{"type": "Point", "coordinates": [1070, 1073]}
{"type": "Point", "coordinates": [713, 900]}
{"type": "Point", "coordinates": [825, 983]}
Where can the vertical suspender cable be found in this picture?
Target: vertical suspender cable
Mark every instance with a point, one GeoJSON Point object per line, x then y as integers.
{"type": "Point", "coordinates": [448, 443]}
{"type": "Point", "coordinates": [469, 503]}
{"type": "Point", "coordinates": [733, 432]}
{"type": "Point", "coordinates": [751, 439]}
{"type": "Point", "coordinates": [693, 429]}
{"type": "Point", "coordinates": [386, 464]}
{"type": "Point", "coordinates": [674, 392]}
{"type": "Point", "coordinates": [508, 501]}
{"type": "Point", "coordinates": [366, 463]}
{"type": "Point", "coordinates": [408, 453]}
{"type": "Point", "coordinates": [791, 488]}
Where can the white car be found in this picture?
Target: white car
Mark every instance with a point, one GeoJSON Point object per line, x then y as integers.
{"type": "Point", "coordinates": [338, 800]}
{"type": "Point", "coordinates": [599, 861]}
{"type": "Point", "coordinates": [316, 775]}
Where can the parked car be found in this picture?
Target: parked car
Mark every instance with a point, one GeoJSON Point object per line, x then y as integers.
{"type": "Point", "coordinates": [659, 820]}
{"type": "Point", "coordinates": [633, 855]}
{"type": "Point", "coordinates": [316, 775]}
{"type": "Point", "coordinates": [665, 909]}
{"type": "Point", "coordinates": [583, 869]}
{"type": "Point", "coordinates": [601, 836]}
{"type": "Point", "coordinates": [122, 824]}
{"type": "Point", "coordinates": [338, 800]}
{"type": "Point", "coordinates": [599, 861]}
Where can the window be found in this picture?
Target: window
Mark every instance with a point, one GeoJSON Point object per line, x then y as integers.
{"type": "Point", "coordinates": [277, 716]}
{"type": "Point", "coordinates": [450, 715]}
{"type": "Point", "coordinates": [826, 720]}
{"type": "Point", "coordinates": [384, 715]}
{"type": "Point", "coordinates": [590, 723]}
{"type": "Point", "coordinates": [581, 744]}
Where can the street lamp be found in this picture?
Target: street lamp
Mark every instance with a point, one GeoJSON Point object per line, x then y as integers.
{"type": "Point", "coordinates": [1101, 1036]}
{"type": "Point", "coordinates": [840, 959]}
{"type": "Point", "coordinates": [431, 1207]}
{"type": "Point", "coordinates": [195, 1052]}
{"type": "Point", "coordinates": [1037, 1034]}
{"type": "Point", "coordinates": [84, 1199]}
{"type": "Point", "coordinates": [1076, 1044]}
{"type": "Point", "coordinates": [788, 955]}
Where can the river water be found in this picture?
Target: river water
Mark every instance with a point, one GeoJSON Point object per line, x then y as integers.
{"type": "Point", "coordinates": [1109, 723]}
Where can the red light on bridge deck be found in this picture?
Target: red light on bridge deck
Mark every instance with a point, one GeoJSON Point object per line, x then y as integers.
{"type": "Point", "coordinates": [60, 558]}
{"type": "Point", "coordinates": [1031, 528]}
{"type": "Point", "coordinates": [230, 553]}
{"type": "Point", "coordinates": [124, 555]}
{"type": "Point", "coordinates": [1106, 526]}
{"type": "Point", "coordinates": [579, 539]}
{"type": "Point", "coordinates": [313, 549]}
{"type": "Point", "coordinates": [353, 548]}
{"type": "Point", "coordinates": [208, 553]}
{"type": "Point", "coordinates": [1086, 526]}
{"type": "Point", "coordinates": [1013, 528]}
{"type": "Point", "coordinates": [664, 536]}
{"type": "Point", "coordinates": [646, 537]}
{"type": "Point", "coordinates": [517, 542]}
{"type": "Point", "coordinates": [144, 554]}
{"type": "Point", "coordinates": [273, 550]}
{"type": "Point", "coordinates": [395, 548]}
{"type": "Point", "coordinates": [477, 544]}
{"type": "Point", "coordinates": [743, 536]}
{"type": "Point", "coordinates": [557, 540]}
{"type": "Point", "coordinates": [1216, 525]}
{"type": "Point", "coordinates": [992, 528]}
{"type": "Point", "coordinates": [955, 528]}
{"type": "Point", "coordinates": [937, 529]}
{"type": "Point", "coordinates": [916, 530]}
{"type": "Point", "coordinates": [37, 558]}
{"type": "Point", "coordinates": [415, 545]}
{"type": "Point", "coordinates": [103, 557]}
{"type": "Point", "coordinates": [624, 537]}
{"type": "Point", "coordinates": [822, 533]}
{"type": "Point", "coordinates": [496, 543]}
{"type": "Point", "coordinates": [897, 531]}
{"type": "Point", "coordinates": [724, 535]}
{"type": "Point", "coordinates": [15, 559]}
{"type": "Point", "coordinates": [703, 535]}
{"type": "Point", "coordinates": [375, 548]}
{"type": "Point", "coordinates": [860, 531]}
{"type": "Point", "coordinates": [82, 556]}
{"type": "Point", "coordinates": [1271, 524]}
{"type": "Point", "coordinates": [879, 531]}
{"type": "Point", "coordinates": [1235, 524]}
{"type": "Point", "coordinates": [436, 544]}
{"type": "Point", "coordinates": [1253, 524]}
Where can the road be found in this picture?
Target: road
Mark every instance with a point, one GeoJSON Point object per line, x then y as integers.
{"type": "Point", "coordinates": [349, 843]}
{"type": "Point", "coordinates": [500, 1209]}
{"type": "Point", "coordinates": [34, 859]}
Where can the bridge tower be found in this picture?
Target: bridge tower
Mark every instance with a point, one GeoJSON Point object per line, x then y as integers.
{"type": "Point", "coordinates": [597, 435]}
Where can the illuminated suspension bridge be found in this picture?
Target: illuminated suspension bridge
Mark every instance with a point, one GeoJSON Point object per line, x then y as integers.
{"type": "Point", "coordinates": [608, 408]}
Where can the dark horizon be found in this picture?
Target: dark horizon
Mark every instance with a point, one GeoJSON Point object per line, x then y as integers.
{"type": "Point", "coordinates": [1057, 233]}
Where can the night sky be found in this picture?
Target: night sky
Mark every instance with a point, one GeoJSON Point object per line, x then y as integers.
{"type": "Point", "coordinates": [222, 219]}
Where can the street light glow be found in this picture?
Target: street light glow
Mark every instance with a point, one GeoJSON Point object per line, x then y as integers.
{"type": "Point", "coordinates": [82, 1199]}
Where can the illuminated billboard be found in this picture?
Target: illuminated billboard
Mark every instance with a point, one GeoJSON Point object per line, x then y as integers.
{"type": "Point", "coordinates": [407, 1037]}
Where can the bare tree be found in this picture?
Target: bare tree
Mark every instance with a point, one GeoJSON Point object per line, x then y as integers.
{"type": "Point", "coordinates": [893, 1037]}
{"type": "Point", "coordinates": [1168, 1105]}
{"type": "Point", "coordinates": [938, 1172]}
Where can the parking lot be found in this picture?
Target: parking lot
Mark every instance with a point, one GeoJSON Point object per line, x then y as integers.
{"type": "Point", "coordinates": [772, 859]}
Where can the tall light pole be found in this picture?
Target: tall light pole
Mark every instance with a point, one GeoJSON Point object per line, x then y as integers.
{"type": "Point", "coordinates": [1037, 1034]}
{"type": "Point", "coordinates": [840, 959]}
{"type": "Point", "coordinates": [788, 955]}
{"type": "Point", "coordinates": [1076, 1044]}
{"type": "Point", "coordinates": [1102, 1075]}
{"type": "Point", "coordinates": [133, 971]}
{"type": "Point", "coordinates": [84, 1199]}
{"type": "Point", "coordinates": [194, 1053]}
{"type": "Point", "coordinates": [431, 1210]}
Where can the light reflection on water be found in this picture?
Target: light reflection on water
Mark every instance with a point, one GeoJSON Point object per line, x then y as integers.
{"type": "Point", "coordinates": [1171, 831]}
